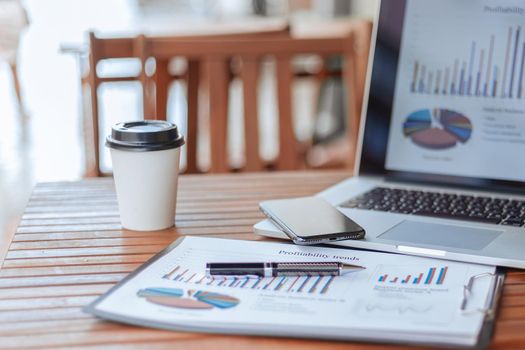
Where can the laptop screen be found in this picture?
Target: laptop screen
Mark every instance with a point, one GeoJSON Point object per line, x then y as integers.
{"type": "Point", "coordinates": [447, 92]}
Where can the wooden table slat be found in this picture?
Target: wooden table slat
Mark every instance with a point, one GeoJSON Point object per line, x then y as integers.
{"type": "Point", "coordinates": [67, 270]}
{"type": "Point", "coordinates": [40, 253]}
{"type": "Point", "coordinates": [51, 291]}
{"type": "Point", "coordinates": [61, 280]}
{"type": "Point", "coordinates": [101, 235]}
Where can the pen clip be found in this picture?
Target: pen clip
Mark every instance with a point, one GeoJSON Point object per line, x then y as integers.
{"type": "Point", "coordinates": [234, 276]}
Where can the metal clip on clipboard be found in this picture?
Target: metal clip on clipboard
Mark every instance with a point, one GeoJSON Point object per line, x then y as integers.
{"type": "Point", "coordinates": [495, 289]}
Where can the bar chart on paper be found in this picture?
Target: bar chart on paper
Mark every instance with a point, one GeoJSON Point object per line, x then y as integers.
{"type": "Point", "coordinates": [397, 285]}
{"type": "Point", "coordinates": [319, 285]}
{"type": "Point", "coordinates": [406, 276]}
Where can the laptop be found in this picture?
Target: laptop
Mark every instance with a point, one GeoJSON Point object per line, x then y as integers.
{"type": "Point", "coordinates": [441, 154]}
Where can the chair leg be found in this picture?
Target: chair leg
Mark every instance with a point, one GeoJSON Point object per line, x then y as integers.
{"type": "Point", "coordinates": [92, 81]}
{"type": "Point", "coordinates": [193, 115]}
{"type": "Point", "coordinates": [148, 101]}
{"type": "Point", "coordinates": [287, 143]}
{"type": "Point", "coordinates": [90, 128]}
{"type": "Point", "coordinates": [162, 83]}
{"type": "Point", "coordinates": [219, 86]}
{"type": "Point", "coordinates": [250, 78]}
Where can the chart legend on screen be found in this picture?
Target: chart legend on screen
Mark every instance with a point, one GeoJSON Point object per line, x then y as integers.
{"type": "Point", "coordinates": [433, 276]}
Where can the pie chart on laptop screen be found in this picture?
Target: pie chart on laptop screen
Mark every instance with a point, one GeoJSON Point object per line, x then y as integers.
{"type": "Point", "coordinates": [437, 128]}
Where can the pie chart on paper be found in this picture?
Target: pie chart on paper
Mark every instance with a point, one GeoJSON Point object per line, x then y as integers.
{"type": "Point", "coordinates": [437, 129]}
{"type": "Point", "coordinates": [191, 299]}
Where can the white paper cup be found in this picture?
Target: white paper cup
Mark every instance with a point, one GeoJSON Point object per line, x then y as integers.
{"type": "Point", "coordinates": [145, 157]}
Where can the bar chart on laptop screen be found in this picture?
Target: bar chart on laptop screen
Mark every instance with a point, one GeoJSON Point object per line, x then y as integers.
{"type": "Point", "coordinates": [460, 90]}
{"type": "Point", "coordinates": [475, 73]}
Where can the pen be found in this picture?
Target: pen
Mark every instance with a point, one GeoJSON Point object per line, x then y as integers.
{"type": "Point", "coordinates": [274, 269]}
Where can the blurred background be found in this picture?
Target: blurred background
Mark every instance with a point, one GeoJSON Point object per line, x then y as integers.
{"type": "Point", "coordinates": [46, 130]}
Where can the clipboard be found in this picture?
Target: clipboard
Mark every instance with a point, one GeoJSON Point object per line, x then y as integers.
{"type": "Point", "coordinates": [491, 307]}
{"type": "Point", "coordinates": [483, 336]}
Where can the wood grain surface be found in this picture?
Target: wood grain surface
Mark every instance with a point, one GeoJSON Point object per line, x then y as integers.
{"type": "Point", "coordinates": [69, 248]}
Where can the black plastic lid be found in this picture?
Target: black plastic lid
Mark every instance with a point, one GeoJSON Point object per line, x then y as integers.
{"type": "Point", "coordinates": [144, 136]}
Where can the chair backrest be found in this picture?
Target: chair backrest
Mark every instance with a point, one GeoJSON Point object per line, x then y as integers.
{"type": "Point", "coordinates": [217, 55]}
{"type": "Point", "coordinates": [154, 88]}
{"type": "Point", "coordinates": [213, 54]}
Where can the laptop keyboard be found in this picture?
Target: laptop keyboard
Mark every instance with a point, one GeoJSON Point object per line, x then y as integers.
{"type": "Point", "coordinates": [442, 205]}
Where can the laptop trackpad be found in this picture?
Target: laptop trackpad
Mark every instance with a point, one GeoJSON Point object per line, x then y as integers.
{"type": "Point", "coordinates": [461, 237]}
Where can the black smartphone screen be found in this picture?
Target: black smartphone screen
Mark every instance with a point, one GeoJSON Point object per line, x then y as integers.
{"type": "Point", "coordinates": [311, 218]}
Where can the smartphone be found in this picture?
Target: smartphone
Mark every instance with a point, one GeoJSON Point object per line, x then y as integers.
{"type": "Point", "coordinates": [311, 220]}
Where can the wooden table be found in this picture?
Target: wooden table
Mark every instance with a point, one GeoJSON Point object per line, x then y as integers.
{"type": "Point", "coordinates": [70, 248]}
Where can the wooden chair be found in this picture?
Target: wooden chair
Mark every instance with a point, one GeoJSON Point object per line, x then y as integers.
{"type": "Point", "coordinates": [154, 86]}
{"type": "Point", "coordinates": [212, 55]}
{"type": "Point", "coordinates": [216, 55]}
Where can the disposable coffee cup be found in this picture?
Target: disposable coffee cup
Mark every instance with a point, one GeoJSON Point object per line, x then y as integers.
{"type": "Point", "coordinates": [145, 156]}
